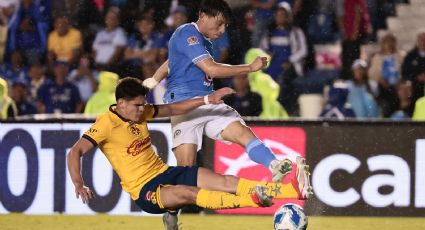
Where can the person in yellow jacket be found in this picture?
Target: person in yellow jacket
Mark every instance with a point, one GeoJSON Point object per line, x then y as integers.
{"type": "Point", "coordinates": [7, 106]}
{"type": "Point", "coordinates": [419, 112]}
{"type": "Point", "coordinates": [264, 85]}
{"type": "Point", "coordinates": [105, 94]}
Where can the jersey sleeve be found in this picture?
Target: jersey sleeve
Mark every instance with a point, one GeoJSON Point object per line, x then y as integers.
{"type": "Point", "coordinates": [191, 44]}
{"type": "Point", "coordinates": [150, 111]}
{"type": "Point", "coordinates": [99, 131]}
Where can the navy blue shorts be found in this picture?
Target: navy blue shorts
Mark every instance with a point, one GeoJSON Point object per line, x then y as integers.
{"type": "Point", "coordinates": [149, 197]}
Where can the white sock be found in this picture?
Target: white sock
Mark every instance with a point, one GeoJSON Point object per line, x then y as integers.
{"type": "Point", "coordinates": [273, 164]}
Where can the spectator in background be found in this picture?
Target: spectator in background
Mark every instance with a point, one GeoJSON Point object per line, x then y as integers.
{"type": "Point", "coordinates": [405, 106]}
{"type": "Point", "coordinates": [28, 31]}
{"type": "Point", "coordinates": [19, 96]}
{"type": "Point", "coordinates": [142, 48]}
{"type": "Point", "coordinates": [362, 92]}
{"type": "Point", "coordinates": [263, 17]}
{"type": "Point", "coordinates": [7, 8]}
{"type": "Point", "coordinates": [419, 111]}
{"type": "Point", "coordinates": [354, 25]}
{"type": "Point", "coordinates": [59, 95]}
{"type": "Point", "coordinates": [65, 43]}
{"type": "Point", "coordinates": [337, 105]}
{"type": "Point", "coordinates": [385, 69]}
{"type": "Point", "coordinates": [7, 106]}
{"type": "Point", "coordinates": [413, 67]}
{"type": "Point", "coordinates": [84, 77]}
{"type": "Point", "coordinates": [37, 79]}
{"type": "Point", "coordinates": [177, 18]}
{"type": "Point", "coordinates": [109, 44]}
{"type": "Point", "coordinates": [265, 86]}
{"type": "Point", "coordinates": [16, 70]}
{"type": "Point", "coordinates": [286, 43]}
{"type": "Point", "coordinates": [247, 103]}
{"type": "Point", "coordinates": [104, 96]}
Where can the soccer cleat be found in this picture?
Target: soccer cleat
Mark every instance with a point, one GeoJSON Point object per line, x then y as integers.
{"type": "Point", "coordinates": [260, 197]}
{"type": "Point", "coordinates": [281, 170]}
{"type": "Point", "coordinates": [302, 183]}
{"type": "Point", "coordinates": [170, 221]}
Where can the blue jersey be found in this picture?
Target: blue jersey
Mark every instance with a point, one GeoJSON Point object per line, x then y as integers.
{"type": "Point", "coordinates": [186, 80]}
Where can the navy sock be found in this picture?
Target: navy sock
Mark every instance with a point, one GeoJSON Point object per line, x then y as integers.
{"type": "Point", "coordinates": [259, 153]}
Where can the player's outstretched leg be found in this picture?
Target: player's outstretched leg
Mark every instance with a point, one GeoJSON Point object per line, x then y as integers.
{"type": "Point", "coordinates": [239, 133]}
{"type": "Point", "coordinates": [170, 221]}
{"type": "Point", "coordinates": [175, 197]}
{"type": "Point", "coordinates": [299, 188]}
{"type": "Point", "coordinates": [224, 200]}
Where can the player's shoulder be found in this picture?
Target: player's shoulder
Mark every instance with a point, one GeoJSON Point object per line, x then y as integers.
{"type": "Point", "coordinates": [107, 119]}
{"type": "Point", "coordinates": [187, 29]}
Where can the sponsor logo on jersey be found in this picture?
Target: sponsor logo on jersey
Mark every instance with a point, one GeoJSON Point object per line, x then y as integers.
{"type": "Point", "coordinates": [92, 131]}
{"type": "Point", "coordinates": [139, 146]}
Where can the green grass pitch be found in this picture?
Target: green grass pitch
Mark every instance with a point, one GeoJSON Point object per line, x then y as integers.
{"type": "Point", "coordinates": [195, 222]}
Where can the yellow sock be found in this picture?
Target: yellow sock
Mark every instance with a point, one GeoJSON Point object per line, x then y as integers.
{"type": "Point", "coordinates": [223, 200]}
{"type": "Point", "coordinates": [279, 191]}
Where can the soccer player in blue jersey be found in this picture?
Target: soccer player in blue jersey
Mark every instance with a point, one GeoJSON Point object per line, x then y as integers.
{"type": "Point", "coordinates": [190, 69]}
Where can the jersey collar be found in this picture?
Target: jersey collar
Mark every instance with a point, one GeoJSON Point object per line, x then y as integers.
{"type": "Point", "coordinates": [197, 28]}
{"type": "Point", "coordinates": [112, 110]}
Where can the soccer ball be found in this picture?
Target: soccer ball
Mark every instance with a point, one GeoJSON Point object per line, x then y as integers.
{"type": "Point", "coordinates": [290, 217]}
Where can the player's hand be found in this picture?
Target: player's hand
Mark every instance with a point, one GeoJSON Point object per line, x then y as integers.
{"type": "Point", "coordinates": [258, 64]}
{"type": "Point", "coordinates": [217, 96]}
{"type": "Point", "coordinates": [85, 193]}
{"type": "Point", "coordinates": [150, 83]}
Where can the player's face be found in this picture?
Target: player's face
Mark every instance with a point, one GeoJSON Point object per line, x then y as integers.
{"type": "Point", "coordinates": [213, 27]}
{"type": "Point", "coordinates": [132, 109]}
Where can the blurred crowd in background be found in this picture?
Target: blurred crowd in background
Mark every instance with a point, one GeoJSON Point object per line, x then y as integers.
{"type": "Point", "coordinates": [66, 56]}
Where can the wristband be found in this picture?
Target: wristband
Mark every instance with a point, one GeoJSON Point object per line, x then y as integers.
{"type": "Point", "coordinates": [206, 101]}
{"type": "Point", "coordinates": [150, 83]}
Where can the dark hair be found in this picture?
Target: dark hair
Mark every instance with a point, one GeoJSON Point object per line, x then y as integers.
{"type": "Point", "coordinates": [144, 17]}
{"type": "Point", "coordinates": [129, 88]}
{"type": "Point", "coordinates": [214, 8]}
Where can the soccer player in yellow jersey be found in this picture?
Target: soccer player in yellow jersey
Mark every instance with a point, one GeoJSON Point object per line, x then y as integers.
{"type": "Point", "coordinates": [123, 137]}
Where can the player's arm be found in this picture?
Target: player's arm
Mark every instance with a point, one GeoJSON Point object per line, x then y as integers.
{"type": "Point", "coordinates": [81, 147]}
{"type": "Point", "coordinates": [185, 106]}
{"type": "Point", "coordinates": [220, 70]}
{"type": "Point", "coordinates": [161, 73]}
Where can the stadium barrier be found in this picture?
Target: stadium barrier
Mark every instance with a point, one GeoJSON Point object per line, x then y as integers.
{"type": "Point", "coordinates": [359, 168]}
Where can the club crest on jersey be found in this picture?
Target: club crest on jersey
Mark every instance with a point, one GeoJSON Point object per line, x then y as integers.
{"type": "Point", "coordinates": [192, 40]}
{"type": "Point", "coordinates": [134, 130]}
{"type": "Point", "coordinates": [177, 132]}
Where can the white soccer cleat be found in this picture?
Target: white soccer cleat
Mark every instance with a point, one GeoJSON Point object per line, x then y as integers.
{"type": "Point", "coordinates": [260, 197]}
{"type": "Point", "coordinates": [302, 183]}
{"type": "Point", "coordinates": [281, 170]}
{"type": "Point", "coordinates": [170, 221]}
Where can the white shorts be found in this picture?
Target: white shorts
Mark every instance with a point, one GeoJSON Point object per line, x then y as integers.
{"type": "Point", "coordinates": [209, 120]}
